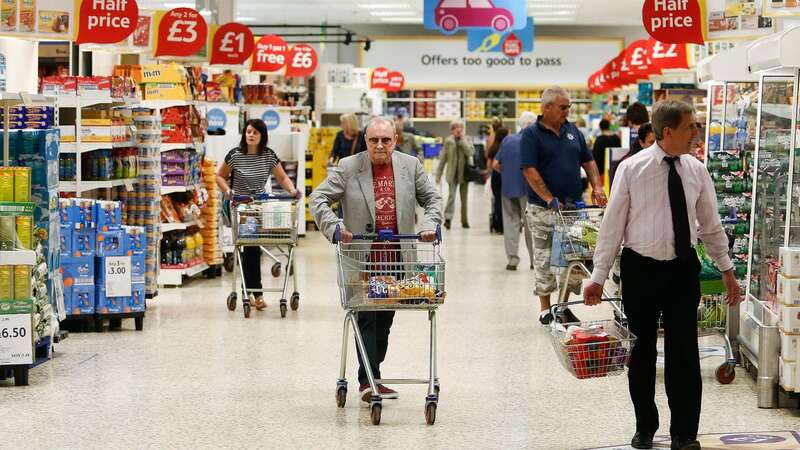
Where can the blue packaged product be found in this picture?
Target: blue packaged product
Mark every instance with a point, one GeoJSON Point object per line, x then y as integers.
{"type": "Point", "coordinates": [138, 268]}
{"type": "Point", "coordinates": [111, 243]}
{"type": "Point", "coordinates": [136, 302]}
{"type": "Point", "coordinates": [65, 243]}
{"type": "Point", "coordinates": [78, 271]}
{"type": "Point", "coordinates": [107, 305]}
{"type": "Point", "coordinates": [108, 215]}
{"type": "Point", "coordinates": [82, 300]}
{"type": "Point", "coordinates": [83, 242]}
{"type": "Point", "coordinates": [136, 240]}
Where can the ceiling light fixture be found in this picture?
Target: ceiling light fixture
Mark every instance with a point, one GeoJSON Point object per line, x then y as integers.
{"type": "Point", "coordinates": [245, 19]}
{"type": "Point", "coordinates": [179, 5]}
{"type": "Point", "coordinates": [384, 5]}
{"type": "Point", "coordinates": [401, 19]}
{"type": "Point", "coordinates": [392, 13]}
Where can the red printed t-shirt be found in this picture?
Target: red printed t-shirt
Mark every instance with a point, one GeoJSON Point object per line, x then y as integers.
{"type": "Point", "coordinates": [385, 204]}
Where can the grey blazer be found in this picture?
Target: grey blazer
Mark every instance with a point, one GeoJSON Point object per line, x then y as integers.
{"type": "Point", "coordinates": [351, 184]}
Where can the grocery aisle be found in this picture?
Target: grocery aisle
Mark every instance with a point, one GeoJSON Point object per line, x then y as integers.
{"type": "Point", "coordinates": [202, 377]}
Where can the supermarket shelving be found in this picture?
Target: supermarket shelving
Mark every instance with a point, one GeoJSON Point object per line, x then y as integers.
{"type": "Point", "coordinates": [84, 186]}
{"type": "Point", "coordinates": [166, 190]}
{"type": "Point", "coordinates": [178, 226]}
{"type": "Point", "coordinates": [174, 277]}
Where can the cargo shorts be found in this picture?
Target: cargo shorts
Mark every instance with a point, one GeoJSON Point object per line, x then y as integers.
{"type": "Point", "coordinates": [541, 222]}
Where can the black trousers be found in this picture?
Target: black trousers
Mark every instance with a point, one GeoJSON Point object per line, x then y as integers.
{"type": "Point", "coordinates": [374, 328]}
{"type": "Point", "coordinates": [251, 267]}
{"type": "Point", "coordinates": [497, 202]}
{"type": "Point", "coordinates": [669, 290]}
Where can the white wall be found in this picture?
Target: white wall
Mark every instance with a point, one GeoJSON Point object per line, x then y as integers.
{"type": "Point", "coordinates": [22, 64]}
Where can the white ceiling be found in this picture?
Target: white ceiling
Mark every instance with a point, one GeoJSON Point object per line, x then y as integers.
{"type": "Point", "coordinates": [350, 12]}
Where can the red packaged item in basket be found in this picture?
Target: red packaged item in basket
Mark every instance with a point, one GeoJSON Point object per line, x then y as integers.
{"type": "Point", "coordinates": [589, 352]}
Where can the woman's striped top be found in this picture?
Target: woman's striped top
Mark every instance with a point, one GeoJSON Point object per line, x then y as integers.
{"type": "Point", "coordinates": [250, 173]}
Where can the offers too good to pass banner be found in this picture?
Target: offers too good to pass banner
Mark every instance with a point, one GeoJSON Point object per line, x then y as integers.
{"type": "Point", "coordinates": [181, 32]}
{"type": "Point", "coordinates": [232, 44]}
{"type": "Point", "coordinates": [675, 21]}
{"type": "Point", "coordinates": [105, 21]}
{"type": "Point", "coordinates": [302, 61]}
{"type": "Point", "coordinates": [270, 54]}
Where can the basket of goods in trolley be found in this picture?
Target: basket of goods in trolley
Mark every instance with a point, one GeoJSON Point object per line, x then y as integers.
{"type": "Point", "coordinates": [575, 236]}
{"type": "Point", "coordinates": [269, 222]}
{"type": "Point", "coordinates": [592, 349]}
{"type": "Point", "coordinates": [390, 272]}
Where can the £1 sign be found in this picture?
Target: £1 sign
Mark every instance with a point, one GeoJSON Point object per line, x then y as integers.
{"type": "Point", "coordinates": [232, 44]}
{"type": "Point", "coordinates": [181, 32]}
{"type": "Point", "coordinates": [302, 61]}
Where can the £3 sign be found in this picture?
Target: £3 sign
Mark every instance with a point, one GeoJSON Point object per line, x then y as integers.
{"type": "Point", "coordinates": [232, 44]}
{"type": "Point", "coordinates": [181, 32]}
{"type": "Point", "coordinates": [302, 61]}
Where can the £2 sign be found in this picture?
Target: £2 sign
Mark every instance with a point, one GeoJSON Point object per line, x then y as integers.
{"type": "Point", "coordinates": [181, 32]}
{"type": "Point", "coordinates": [232, 44]}
{"type": "Point", "coordinates": [302, 61]}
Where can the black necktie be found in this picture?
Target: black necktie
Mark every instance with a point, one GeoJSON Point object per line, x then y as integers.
{"type": "Point", "coordinates": [680, 216]}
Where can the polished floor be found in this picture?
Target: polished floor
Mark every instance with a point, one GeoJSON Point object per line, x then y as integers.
{"type": "Point", "coordinates": [200, 376]}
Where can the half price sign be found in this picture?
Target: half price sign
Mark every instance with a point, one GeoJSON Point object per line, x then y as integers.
{"type": "Point", "coordinates": [232, 44]}
{"type": "Point", "coordinates": [270, 54]}
{"type": "Point", "coordinates": [181, 32]}
{"type": "Point", "coordinates": [302, 61]}
{"type": "Point", "coordinates": [106, 21]}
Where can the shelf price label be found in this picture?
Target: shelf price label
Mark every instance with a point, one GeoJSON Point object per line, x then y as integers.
{"type": "Point", "coordinates": [302, 61]}
{"type": "Point", "coordinates": [118, 276]}
{"type": "Point", "coordinates": [16, 339]}
{"type": "Point", "coordinates": [181, 32]}
{"type": "Point", "coordinates": [106, 21]}
{"type": "Point", "coordinates": [232, 44]}
{"type": "Point", "coordinates": [270, 54]}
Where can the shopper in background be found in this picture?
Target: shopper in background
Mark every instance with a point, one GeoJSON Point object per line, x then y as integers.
{"type": "Point", "coordinates": [662, 202]}
{"type": "Point", "coordinates": [496, 218]}
{"type": "Point", "coordinates": [646, 138]}
{"type": "Point", "coordinates": [514, 193]}
{"type": "Point", "coordinates": [457, 152]}
{"type": "Point", "coordinates": [379, 190]}
{"type": "Point", "coordinates": [636, 115]}
{"type": "Point", "coordinates": [349, 141]}
{"type": "Point", "coordinates": [553, 151]}
{"type": "Point", "coordinates": [602, 143]}
{"type": "Point", "coordinates": [246, 171]}
{"type": "Point", "coordinates": [407, 143]}
{"type": "Point", "coordinates": [405, 125]}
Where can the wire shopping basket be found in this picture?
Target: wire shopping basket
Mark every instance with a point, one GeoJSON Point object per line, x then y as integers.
{"type": "Point", "coordinates": [575, 235]}
{"type": "Point", "coordinates": [390, 270]}
{"type": "Point", "coordinates": [592, 349]}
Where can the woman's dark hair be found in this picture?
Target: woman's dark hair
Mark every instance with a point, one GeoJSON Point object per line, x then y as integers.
{"type": "Point", "coordinates": [637, 114]}
{"type": "Point", "coordinates": [644, 130]}
{"type": "Point", "coordinates": [499, 134]}
{"type": "Point", "coordinates": [261, 127]}
{"type": "Point", "coordinates": [605, 125]}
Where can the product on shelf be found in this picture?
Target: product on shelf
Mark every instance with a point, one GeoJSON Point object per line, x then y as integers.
{"type": "Point", "coordinates": [212, 252]}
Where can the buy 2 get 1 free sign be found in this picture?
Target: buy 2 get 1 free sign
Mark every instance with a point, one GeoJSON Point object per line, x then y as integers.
{"type": "Point", "coordinates": [181, 32]}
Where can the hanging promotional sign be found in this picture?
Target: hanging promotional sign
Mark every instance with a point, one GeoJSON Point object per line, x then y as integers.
{"type": "Point", "coordinates": [499, 16]}
{"type": "Point", "coordinates": [396, 81]}
{"type": "Point", "coordinates": [231, 44]}
{"type": "Point", "coordinates": [302, 61]}
{"type": "Point", "coordinates": [269, 55]}
{"type": "Point", "coordinates": [667, 56]}
{"type": "Point", "coordinates": [675, 21]}
{"type": "Point", "coordinates": [181, 32]}
{"type": "Point", "coordinates": [379, 79]}
{"type": "Point", "coordinates": [106, 21]}
{"type": "Point", "coordinates": [638, 57]}
{"type": "Point", "coordinates": [490, 42]}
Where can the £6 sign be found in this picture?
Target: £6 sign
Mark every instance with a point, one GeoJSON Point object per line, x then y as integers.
{"type": "Point", "coordinates": [269, 54]}
{"type": "Point", "coordinates": [106, 21]}
{"type": "Point", "coordinates": [232, 44]}
{"type": "Point", "coordinates": [181, 32]}
{"type": "Point", "coordinates": [302, 61]}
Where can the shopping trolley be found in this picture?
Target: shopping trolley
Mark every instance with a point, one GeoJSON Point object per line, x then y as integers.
{"type": "Point", "coordinates": [269, 222]}
{"type": "Point", "coordinates": [574, 241]}
{"type": "Point", "coordinates": [389, 272]}
{"type": "Point", "coordinates": [592, 349]}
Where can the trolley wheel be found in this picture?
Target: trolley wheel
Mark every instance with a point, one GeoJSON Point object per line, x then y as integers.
{"type": "Point", "coordinates": [246, 308]}
{"type": "Point", "coordinates": [283, 308]}
{"type": "Point", "coordinates": [341, 396]}
{"type": "Point", "coordinates": [227, 262]}
{"type": "Point", "coordinates": [232, 301]}
{"type": "Point", "coordinates": [276, 270]}
{"type": "Point", "coordinates": [375, 413]}
{"type": "Point", "coordinates": [430, 413]}
{"type": "Point", "coordinates": [138, 322]}
{"type": "Point", "coordinates": [294, 302]}
{"type": "Point", "coordinates": [20, 376]}
{"type": "Point", "coordinates": [726, 373]}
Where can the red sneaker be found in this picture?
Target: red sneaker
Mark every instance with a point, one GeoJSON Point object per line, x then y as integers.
{"type": "Point", "coordinates": [388, 393]}
{"type": "Point", "coordinates": [366, 393]}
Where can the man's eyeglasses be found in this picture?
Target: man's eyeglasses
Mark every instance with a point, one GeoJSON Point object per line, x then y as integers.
{"type": "Point", "coordinates": [565, 107]}
{"type": "Point", "coordinates": [385, 140]}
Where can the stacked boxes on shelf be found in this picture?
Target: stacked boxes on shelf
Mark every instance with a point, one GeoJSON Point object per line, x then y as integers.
{"type": "Point", "coordinates": [398, 104]}
{"type": "Point", "coordinates": [180, 168]}
{"type": "Point", "coordinates": [448, 105]}
{"type": "Point", "coordinates": [789, 318]}
{"type": "Point", "coordinates": [212, 252]}
{"type": "Point", "coordinates": [424, 104]}
{"type": "Point", "coordinates": [734, 198]}
{"type": "Point", "coordinates": [176, 125]}
{"type": "Point", "coordinates": [77, 246]}
{"type": "Point", "coordinates": [498, 103]}
{"type": "Point", "coordinates": [320, 144]}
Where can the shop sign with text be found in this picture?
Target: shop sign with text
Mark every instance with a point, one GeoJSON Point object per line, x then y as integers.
{"type": "Point", "coordinates": [451, 16]}
{"type": "Point", "coordinates": [675, 21]}
{"type": "Point", "coordinates": [106, 21]}
{"type": "Point", "coordinates": [232, 44]}
{"type": "Point", "coordinates": [181, 32]}
{"type": "Point", "coordinates": [270, 54]}
{"type": "Point", "coordinates": [302, 61]}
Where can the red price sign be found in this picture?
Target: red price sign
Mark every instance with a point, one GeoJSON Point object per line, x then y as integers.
{"type": "Point", "coordinates": [232, 44]}
{"type": "Point", "coordinates": [269, 54]}
{"type": "Point", "coordinates": [379, 78]}
{"type": "Point", "coordinates": [302, 61]}
{"type": "Point", "coordinates": [667, 56]}
{"type": "Point", "coordinates": [675, 22]}
{"type": "Point", "coordinates": [106, 22]}
{"type": "Point", "coordinates": [182, 32]}
{"type": "Point", "coordinates": [396, 81]}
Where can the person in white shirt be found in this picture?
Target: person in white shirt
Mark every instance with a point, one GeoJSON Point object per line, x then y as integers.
{"type": "Point", "coordinates": [662, 202]}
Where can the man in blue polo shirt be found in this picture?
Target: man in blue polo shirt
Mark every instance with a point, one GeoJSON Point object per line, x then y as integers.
{"type": "Point", "coordinates": [553, 152]}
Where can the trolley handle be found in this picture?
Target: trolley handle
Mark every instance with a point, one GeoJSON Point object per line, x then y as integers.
{"type": "Point", "coordinates": [558, 307]}
{"type": "Point", "coordinates": [385, 236]}
{"type": "Point", "coordinates": [241, 198]}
